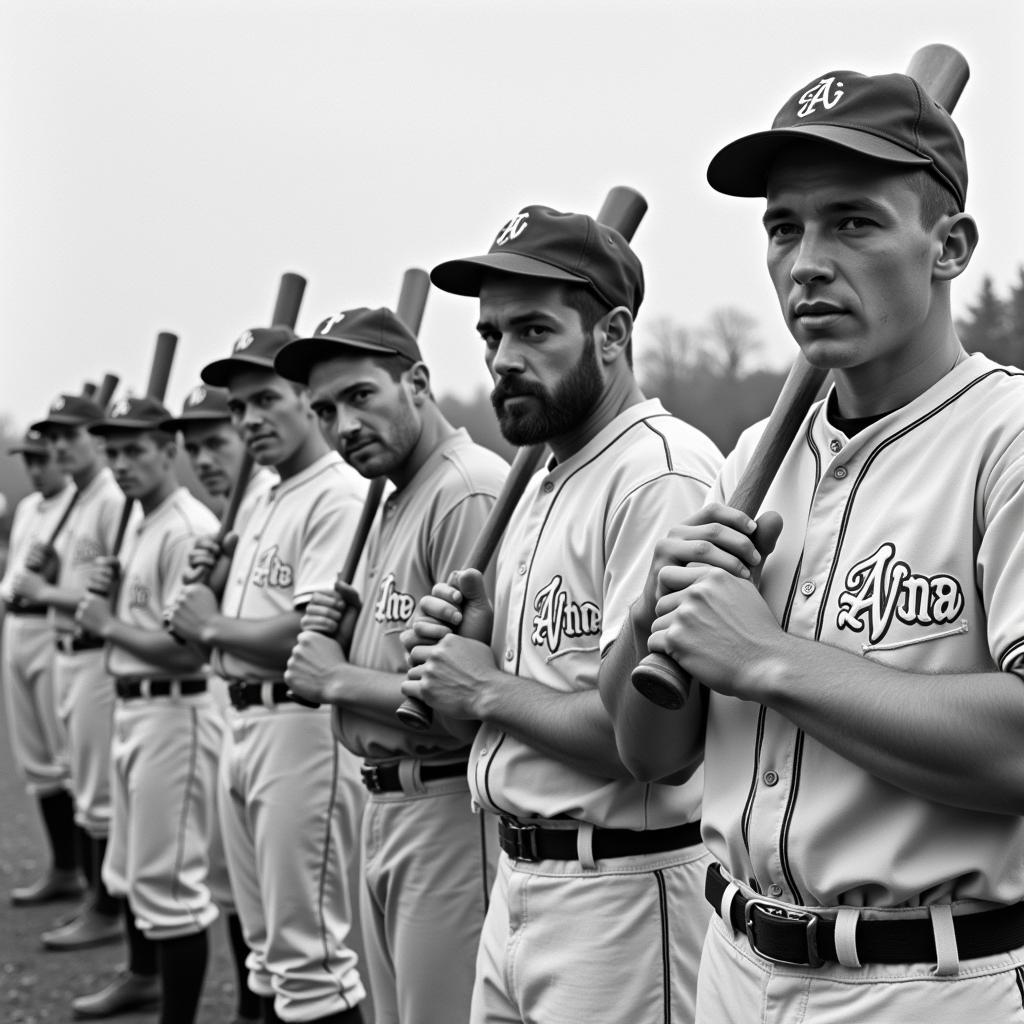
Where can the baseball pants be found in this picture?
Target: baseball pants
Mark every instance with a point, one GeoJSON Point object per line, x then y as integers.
{"type": "Point", "coordinates": [736, 986]}
{"type": "Point", "coordinates": [565, 944]}
{"type": "Point", "coordinates": [38, 738]}
{"type": "Point", "coordinates": [428, 864]}
{"type": "Point", "coordinates": [290, 805]}
{"type": "Point", "coordinates": [85, 705]}
{"type": "Point", "coordinates": [164, 759]}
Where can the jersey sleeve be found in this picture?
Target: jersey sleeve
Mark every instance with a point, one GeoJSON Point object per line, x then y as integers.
{"type": "Point", "coordinates": [326, 540]}
{"type": "Point", "coordinates": [456, 533]}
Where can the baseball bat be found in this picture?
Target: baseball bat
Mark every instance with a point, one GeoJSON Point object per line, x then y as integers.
{"type": "Point", "coordinates": [412, 299]}
{"type": "Point", "coordinates": [89, 390]}
{"type": "Point", "coordinates": [942, 72]}
{"type": "Point", "coordinates": [622, 209]}
{"type": "Point", "coordinates": [289, 299]}
{"type": "Point", "coordinates": [107, 389]}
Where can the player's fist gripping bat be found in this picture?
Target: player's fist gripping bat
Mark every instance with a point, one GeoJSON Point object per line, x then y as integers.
{"type": "Point", "coordinates": [623, 209]}
{"type": "Point", "coordinates": [942, 72]}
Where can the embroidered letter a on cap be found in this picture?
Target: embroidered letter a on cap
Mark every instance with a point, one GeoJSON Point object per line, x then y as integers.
{"type": "Point", "coordinates": [196, 396]}
{"type": "Point", "coordinates": [513, 229]}
{"type": "Point", "coordinates": [120, 408]}
{"type": "Point", "coordinates": [329, 323]}
{"type": "Point", "coordinates": [821, 93]}
{"type": "Point", "coordinates": [244, 341]}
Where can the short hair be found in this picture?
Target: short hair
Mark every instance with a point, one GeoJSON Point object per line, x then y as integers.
{"type": "Point", "coordinates": [591, 307]}
{"type": "Point", "coordinates": [393, 364]}
{"type": "Point", "coordinates": [935, 196]}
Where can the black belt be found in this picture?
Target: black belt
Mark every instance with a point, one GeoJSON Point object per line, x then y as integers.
{"type": "Point", "coordinates": [248, 693]}
{"type": "Point", "coordinates": [798, 937]}
{"type": "Point", "coordinates": [383, 778]}
{"type": "Point", "coordinates": [131, 689]}
{"type": "Point", "coordinates": [20, 608]}
{"type": "Point", "coordinates": [534, 842]}
{"type": "Point", "coordinates": [68, 644]}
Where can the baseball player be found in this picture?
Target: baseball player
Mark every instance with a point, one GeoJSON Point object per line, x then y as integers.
{"type": "Point", "coordinates": [167, 729]}
{"type": "Point", "coordinates": [427, 859]}
{"type": "Point", "coordinates": [38, 740]}
{"type": "Point", "coordinates": [596, 911]}
{"type": "Point", "coordinates": [85, 696]}
{"type": "Point", "coordinates": [289, 796]}
{"type": "Point", "coordinates": [863, 786]}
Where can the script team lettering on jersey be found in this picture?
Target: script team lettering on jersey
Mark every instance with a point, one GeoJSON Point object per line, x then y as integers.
{"type": "Point", "coordinates": [882, 587]}
{"type": "Point", "coordinates": [271, 571]}
{"type": "Point", "coordinates": [557, 616]}
{"type": "Point", "coordinates": [391, 604]}
{"type": "Point", "coordinates": [138, 595]}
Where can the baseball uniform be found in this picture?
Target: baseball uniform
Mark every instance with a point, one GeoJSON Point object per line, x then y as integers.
{"type": "Point", "coordinates": [427, 858]}
{"type": "Point", "coordinates": [289, 795]}
{"type": "Point", "coordinates": [38, 739]}
{"type": "Point", "coordinates": [599, 932]}
{"type": "Point", "coordinates": [902, 544]}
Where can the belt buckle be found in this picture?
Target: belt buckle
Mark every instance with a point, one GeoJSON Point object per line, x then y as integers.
{"type": "Point", "coordinates": [784, 915]}
{"type": "Point", "coordinates": [236, 691]}
{"type": "Point", "coordinates": [523, 838]}
{"type": "Point", "coordinates": [371, 777]}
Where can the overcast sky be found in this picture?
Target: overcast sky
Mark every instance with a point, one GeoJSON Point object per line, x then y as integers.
{"type": "Point", "coordinates": [163, 161]}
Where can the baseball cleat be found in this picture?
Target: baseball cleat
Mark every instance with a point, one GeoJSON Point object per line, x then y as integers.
{"type": "Point", "coordinates": [127, 991]}
{"type": "Point", "coordinates": [90, 928]}
{"type": "Point", "coordinates": [56, 885]}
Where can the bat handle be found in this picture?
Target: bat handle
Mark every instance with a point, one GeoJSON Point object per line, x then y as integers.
{"type": "Point", "coordinates": [662, 682]}
{"type": "Point", "coordinates": [415, 714]}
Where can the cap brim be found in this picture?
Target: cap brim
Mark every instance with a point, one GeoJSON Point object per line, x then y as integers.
{"type": "Point", "coordinates": [114, 426]}
{"type": "Point", "coordinates": [27, 449]}
{"type": "Point", "coordinates": [181, 422]}
{"type": "Point", "coordinates": [220, 372]}
{"type": "Point", "coordinates": [741, 168]}
{"type": "Point", "coordinates": [298, 357]}
{"type": "Point", "coordinates": [463, 277]}
{"type": "Point", "coordinates": [60, 421]}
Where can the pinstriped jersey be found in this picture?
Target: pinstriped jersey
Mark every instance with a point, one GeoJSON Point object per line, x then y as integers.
{"type": "Point", "coordinates": [293, 543]}
{"type": "Point", "coordinates": [34, 520]}
{"type": "Point", "coordinates": [903, 545]}
{"type": "Point", "coordinates": [575, 556]}
{"type": "Point", "coordinates": [155, 556]}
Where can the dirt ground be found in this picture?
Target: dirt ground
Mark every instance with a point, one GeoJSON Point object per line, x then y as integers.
{"type": "Point", "coordinates": [37, 985]}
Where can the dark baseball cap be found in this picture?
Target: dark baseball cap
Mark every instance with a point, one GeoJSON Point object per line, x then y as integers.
{"type": "Point", "coordinates": [376, 331]}
{"type": "Point", "coordinates": [32, 443]}
{"type": "Point", "coordinates": [70, 411]}
{"type": "Point", "coordinates": [202, 405]}
{"type": "Point", "coordinates": [132, 414]}
{"type": "Point", "coordinates": [254, 350]}
{"type": "Point", "coordinates": [886, 117]}
{"type": "Point", "coordinates": [543, 243]}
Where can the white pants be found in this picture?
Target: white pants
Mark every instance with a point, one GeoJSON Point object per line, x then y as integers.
{"type": "Point", "coordinates": [428, 864]}
{"type": "Point", "coordinates": [38, 738]}
{"type": "Point", "coordinates": [618, 944]}
{"type": "Point", "coordinates": [290, 805]}
{"type": "Point", "coordinates": [164, 759]}
{"type": "Point", "coordinates": [736, 986]}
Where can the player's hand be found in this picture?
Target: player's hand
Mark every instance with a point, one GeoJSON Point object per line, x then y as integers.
{"type": "Point", "coordinates": [28, 585]}
{"type": "Point", "coordinates": [103, 575]}
{"type": "Point", "coordinates": [459, 606]}
{"type": "Point", "coordinates": [191, 611]}
{"type": "Point", "coordinates": [43, 559]}
{"type": "Point", "coordinates": [93, 614]}
{"type": "Point", "coordinates": [453, 676]}
{"type": "Point", "coordinates": [205, 555]}
{"type": "Point", "coordinates": [310, 665]}
{"type": "Point", "coordinates": [333, 613]}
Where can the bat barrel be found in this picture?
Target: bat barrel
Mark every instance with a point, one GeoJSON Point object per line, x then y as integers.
{"type": "Point", "coordinates": [163, 359]}
{"type": "Point", "coordinates": [289, 299]}
{"type": "Point", "coordinates": [623, 209]}
{"type": "Point", "coordinates": [412, 300]}
{"type": "Point", "coordinates": [107, 389]}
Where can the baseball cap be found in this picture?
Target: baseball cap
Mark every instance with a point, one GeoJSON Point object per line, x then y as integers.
{"type": "Point", "coordinates": [543, 243]}
{"type": "Point", "coordinates": [367, 330]}
{"type": "Point", "coordinates": [202, 405]}
{"type": "Point", "coordinates": [886, 117]}
{"type": "Point", "coordinates": [132, 414]}
{"type": "Point", "coordinates": [254, 349]}
{"type": "Point", "coordinates": [32, 443]}
{"type": "Point", "coordinates": [70, 411]}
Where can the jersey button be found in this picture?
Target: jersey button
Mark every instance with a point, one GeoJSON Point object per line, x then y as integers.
{"type": "Point", "coordinates": [807, 588]}
{"type": "Point", "coordinates": [548, 487]}
{"type": "Point", "coordinates": [770, 777]}
{"type": "Point", "coordinates": [509, 654]}
{"type": "Point", "coordinates": [775, 889]}
{"type": "Point", "coordinates": [522, 568]}
{"type": "Point", "coordinates": [483, 751]}
{"type": "Point", "coordinates": [835, 446]}
{"type": "Point", "coordinates": [839, 472]}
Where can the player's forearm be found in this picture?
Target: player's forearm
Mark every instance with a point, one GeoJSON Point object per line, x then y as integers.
{"type": "Point", "coordinates": [266, 641]}
{"type": "Point", "coordinates": [61, 598]}
{"type": "Point", "coordinates": [570, 727]}
{"type": "Point", "coordinates": [155, 646]}
{"type": "Point", "coordinates": [954, 739]}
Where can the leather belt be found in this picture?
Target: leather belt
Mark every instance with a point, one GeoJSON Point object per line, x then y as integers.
{"type": "Point", "coordinates": [132, 689]}
{"type": "Point", "coordinates": [248, 693]}
{"type": "Point", "coordinates": [21, 608]}
{"type": "Point", "coordinates": [534, 842]}
{"type": "Point", "coordinates": [802, 938]}
{"type": "Point", "coordinates": [383, 778]}
{"type": "Point", "coordinates": [68, 643]}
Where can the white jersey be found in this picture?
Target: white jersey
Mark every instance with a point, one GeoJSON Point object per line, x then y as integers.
{"type": "Point", "coordinates": [574, 558]}
{"type": "Point", "coordinates": [293, 544]}
{"type": "Point", "coordinates": [903, 544]}
{"type": "Point", "coordinates": [34, 520]}
{"type": "Point", "coordinates": [154, 556]}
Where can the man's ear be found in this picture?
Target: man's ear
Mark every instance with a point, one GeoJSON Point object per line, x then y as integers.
{"type": "Point", "coordinates": [418, 380]}
{"type": "Point", "coordinates": [958, 235]}
{"type": "Point", "coordinates": [613, 333]}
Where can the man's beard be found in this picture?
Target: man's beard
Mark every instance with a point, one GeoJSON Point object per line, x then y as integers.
{"type": "Point", "coordinates": [557, 412]}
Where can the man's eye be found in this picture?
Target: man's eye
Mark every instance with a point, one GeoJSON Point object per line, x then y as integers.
{"type": "Point", "coordinates": [325, 413]}
{"type": "Point", "coordinates": [853, 223]}
{"type": "Point", "coordinates": [534, 331]}
{"type": "Point", "coordinates": [782, 230]}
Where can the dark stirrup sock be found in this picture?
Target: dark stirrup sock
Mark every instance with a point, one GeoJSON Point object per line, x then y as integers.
{"type": "Point", "coordinates": [83, 847]}
{"type": "Point", "coordinates": [142, 952]}
{"type": "Point", "coordinates": [104, 902]}
{"type": "Point", "coordinates": [182, 970]}
{"type": "Point", "coordinates": [58, 813]}
{"type": "Point", "coordinates": [247, 1003]}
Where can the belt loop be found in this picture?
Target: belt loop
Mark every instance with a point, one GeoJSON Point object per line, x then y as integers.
{"type": "Point", "coordinates": [585, 845]}
{"type": "Point", "coordinates": [846, 936]}
{"type": "Point", "coordinates": [267, 695]}
{"type": "Point", "coordinates": [947, 956]}
{"type": "Point", "coordinates": [409, 776]}
{"type": "Point", "coordinates": [725, 907]}
{"type": "Point", "coordinates": [175, 690]}
{"type": "Point", "coordinates": [145, 689]}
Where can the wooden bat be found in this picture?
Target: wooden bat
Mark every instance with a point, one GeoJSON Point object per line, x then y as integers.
{"type": "Point", "coordinates": [89, 390]}
{"type": "Point", "coordinates": [289, 299]}
{"type": "Point", "coordinates": [622, 209]}
{"type": "Point", "coordinates": [942, 72]}
{"type": "Point", "coordinates": [107, 389]}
